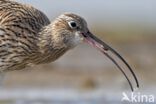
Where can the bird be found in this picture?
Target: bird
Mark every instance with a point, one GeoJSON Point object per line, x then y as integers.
{"type": "Point", "coordinates": [28, 38]}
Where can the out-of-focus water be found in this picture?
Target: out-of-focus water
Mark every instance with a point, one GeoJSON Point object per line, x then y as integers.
{"type": "Point", "coordinates": [62, 96]}
{"type": "Point", "coordinates": [93, 80]}
{"type": "Point", "coordinates": [57, 96]}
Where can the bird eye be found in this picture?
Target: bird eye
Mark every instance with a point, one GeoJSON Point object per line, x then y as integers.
{"type": "Point", "coordinates": [72, 24]}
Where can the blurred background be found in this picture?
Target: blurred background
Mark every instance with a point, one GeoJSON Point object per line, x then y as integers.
{"type": "Point", "coordinates": [83, 75]}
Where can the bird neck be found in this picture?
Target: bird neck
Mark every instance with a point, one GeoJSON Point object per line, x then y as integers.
{"type": "Point", "coordinates": [51, 46]}
{"type": "Point", "coordinates": [49, 39]}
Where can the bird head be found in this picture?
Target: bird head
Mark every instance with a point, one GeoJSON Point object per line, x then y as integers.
{"type": "Point", "coordinates": [72, 30]}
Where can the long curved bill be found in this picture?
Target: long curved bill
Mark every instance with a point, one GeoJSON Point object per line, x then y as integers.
{"type": "Point", "coordinates": [105, 49]}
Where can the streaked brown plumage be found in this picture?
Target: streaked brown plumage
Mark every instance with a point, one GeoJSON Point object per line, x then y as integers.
{"type": "Point", "coordinates": [21, 42]}
{"type": "Point", "coordinates": [27, 37]}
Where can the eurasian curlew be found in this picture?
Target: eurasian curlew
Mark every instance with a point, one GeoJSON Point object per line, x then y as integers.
{"type": "Point", "coordinates": [27, 37]}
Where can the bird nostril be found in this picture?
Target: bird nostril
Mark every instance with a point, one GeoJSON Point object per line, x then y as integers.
{"type": "Point", "coordinates": [88, 32]}
{"type": "Point", "coordinates": [84, 35]}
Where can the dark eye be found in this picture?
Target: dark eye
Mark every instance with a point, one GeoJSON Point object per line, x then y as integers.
{"type": "Point", "coordinates": [72, 24]}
